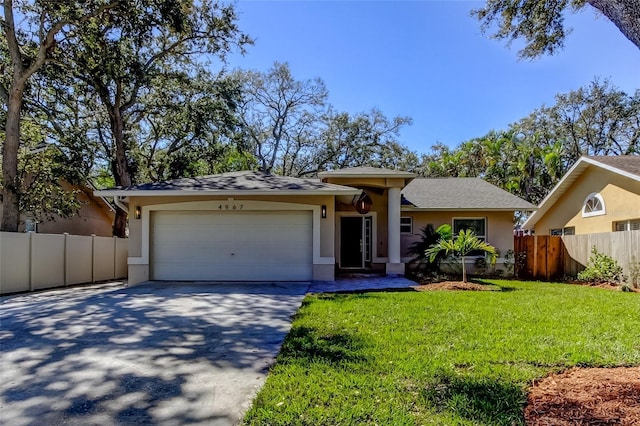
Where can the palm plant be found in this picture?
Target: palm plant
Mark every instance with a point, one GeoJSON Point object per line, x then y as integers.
{"type": "Point", "coordinates": [465, 243]}
{"type": "Point", "coordinates": [429, 237]}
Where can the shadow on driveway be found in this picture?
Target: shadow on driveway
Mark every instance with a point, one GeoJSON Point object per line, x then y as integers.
{"type": "Point", "coordinates": [158, 353]}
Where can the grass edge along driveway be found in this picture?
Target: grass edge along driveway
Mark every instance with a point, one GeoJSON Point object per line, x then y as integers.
{"type": "Point", "coordinates": [441, 358]}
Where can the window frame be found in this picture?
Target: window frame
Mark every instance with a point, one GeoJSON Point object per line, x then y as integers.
{"type": "Point", "coordinates": [593, 195]}
{"type": "Point", "coordinates": [480, 237]}
{"type": "Point", "coordinates": [628, 225]}
{"type": "Point", "coordinates": [559, 232]}
{"type": "Point", "coordinates": [410, 224]}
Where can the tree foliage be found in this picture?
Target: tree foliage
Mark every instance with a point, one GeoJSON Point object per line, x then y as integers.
{"type": "Point", "coordinates": [533, 154]}
{"type": "Point", "coordinates": [462, 246]}
{"type": "Point", "coordinates": [541, 22]}
{"type": "Point", "coordinates": [137, 72]}
{"type": "Point", "coordinates": [27, 45]}
{"type": "Point", "coordinates": [291, 129]}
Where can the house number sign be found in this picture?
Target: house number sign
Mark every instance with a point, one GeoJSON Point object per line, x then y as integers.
{"type": "Point", "coordinates": [230, 206]}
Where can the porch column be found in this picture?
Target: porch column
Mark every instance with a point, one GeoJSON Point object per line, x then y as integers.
{"type": "Point", "coordinates": [394, 264]}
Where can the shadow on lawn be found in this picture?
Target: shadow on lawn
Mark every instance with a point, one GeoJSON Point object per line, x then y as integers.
{"type": "Point", "coordinates": [304, 345]}
{"type": "Point", "coordinates": [485, 401]}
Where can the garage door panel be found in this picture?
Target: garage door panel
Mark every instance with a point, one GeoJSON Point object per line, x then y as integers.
{"type": "Point", "coordinates": [232, 246]}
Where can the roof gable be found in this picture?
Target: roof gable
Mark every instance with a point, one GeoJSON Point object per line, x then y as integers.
{"type": "Point", "coordinates": [624, 165]}
{"type": "Point", "coordinates": [460, 193]}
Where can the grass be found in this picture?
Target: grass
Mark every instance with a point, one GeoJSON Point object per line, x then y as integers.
{"type": "Point", "coordinates": [440, 358]}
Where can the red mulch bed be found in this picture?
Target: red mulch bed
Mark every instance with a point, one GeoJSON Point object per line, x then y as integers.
{"type": "Point", "coordinates": [586, 396]}
{"type": "Point", "coordinates": [453, 285]}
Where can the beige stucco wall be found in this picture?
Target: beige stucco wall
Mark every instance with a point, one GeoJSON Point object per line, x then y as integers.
{"type": "Point", "coordinates": [499, 228]}
{"type": "Point", "coordinates": [92, 218]}
{"type": "Point", "coordinates": [621, 197]}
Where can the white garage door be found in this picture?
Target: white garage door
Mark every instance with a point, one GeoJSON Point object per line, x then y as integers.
{"type": "Point", "coordinates": [232, 246]}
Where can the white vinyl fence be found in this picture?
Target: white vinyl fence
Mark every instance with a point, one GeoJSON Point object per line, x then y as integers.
{"type": "Point", "coordinates": [623, 246]}
{"type": "Point", "coordinates": [30, 261]}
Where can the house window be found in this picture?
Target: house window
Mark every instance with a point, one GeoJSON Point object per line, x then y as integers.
{"type": "Point", "coordinates": [569, 230]}
{"type": "Point", "coordinates": [30, 225]}
{"type": "Point", "coordinates": [406, 225]}
{"type": "Point", "coordinates": [593, 205]}
{"type": "Point", "coordinates": [476, 224]}
{"type": "Point", "coordinates": [627, 225]}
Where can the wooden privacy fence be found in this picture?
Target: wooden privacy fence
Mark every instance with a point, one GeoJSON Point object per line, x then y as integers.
{"type": "Point", "coordinates": [545, 257]}
{"type": "Point", "coordinates": [30, 261]}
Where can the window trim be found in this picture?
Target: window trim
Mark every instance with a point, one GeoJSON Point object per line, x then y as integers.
{"type": "Point", "coordinates": [484, 237]}
{"type": "Point", "coordinates": [410, 224]}
{"type": "Point", "coordinates": [627, 224]}
{"type": "Point", "coordinates": [595, 213]}
{"type": "Point", "coordinates": [560, 232]}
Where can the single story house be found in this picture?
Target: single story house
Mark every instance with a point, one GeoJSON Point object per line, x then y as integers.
{"type": "Point", "coordinates": [251, 226]}
{"type": "Point", "coordinates": [598, 194]}
{"type": "Point", "coordinates": [95, 216]}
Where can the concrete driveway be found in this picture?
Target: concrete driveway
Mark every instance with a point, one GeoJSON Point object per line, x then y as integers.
{"type": "Point", "coordinates": [151, 354]}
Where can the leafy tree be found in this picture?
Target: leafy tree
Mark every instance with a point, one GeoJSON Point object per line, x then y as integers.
{"type": "Point", "coordinates": [364, 139]}
{"type": "Point", "coordinates": [462, 246]}
{"type": "Point", "coordinates": [280, 115]}
{"type": "Point", "coordinates": [531, 156]}
{"type": "Point", "coordinates": [133, 57]}
{"type": "Point", "coordinates": [541, 22]}
{"type": "Point", "coordinates": [291, 129]}
{"type": "Point", "coordinates": [185, 127]}
{"type": "Point", "coordinates": [29, 44]}
{"type": "Point", "coordinates": [598, 119]}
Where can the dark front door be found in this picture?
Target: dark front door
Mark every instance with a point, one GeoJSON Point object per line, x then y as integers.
{"type": "Point", "coordinates": [351, 243]}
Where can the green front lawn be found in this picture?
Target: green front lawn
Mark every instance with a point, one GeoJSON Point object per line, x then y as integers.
{"type": "Point", "coordinates": [441, 358]}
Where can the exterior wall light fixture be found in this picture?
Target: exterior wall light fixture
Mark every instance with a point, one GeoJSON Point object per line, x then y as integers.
{"type": "Point", "coordinates": [323, 211]}
{"type": "Point", "coordinates": [137, 212]}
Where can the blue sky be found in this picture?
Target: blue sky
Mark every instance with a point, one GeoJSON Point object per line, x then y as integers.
{"type": "Point", "coordinates": [428, 60]}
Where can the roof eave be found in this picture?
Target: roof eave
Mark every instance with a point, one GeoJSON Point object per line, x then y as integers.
{"type": "Point", "coordinates": [324, 175]}
{"type": "Point", "coordinates": [491, 209]}
{"type": "Point", "coordinates": [217, 192]}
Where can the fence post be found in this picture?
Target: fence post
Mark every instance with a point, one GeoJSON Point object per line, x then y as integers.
{"type": "Point", "coordinates": [93, 258]}
{"type": "Point", "coordinates": [65, 257]}
{"type": "Point", "coordinates": [115, 257]}
{"type": "Point", "coordinates": [31, 265]}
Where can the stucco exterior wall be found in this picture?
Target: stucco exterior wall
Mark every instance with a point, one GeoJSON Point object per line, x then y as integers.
{"type": "Point", "coordinates": [499, 228]}
{"type": "Point", "coordinates": [621, 197]}
{"type": "Point", "coordinates": [140, 272]}
{"type": "Point", "coordinates": [92, 218]}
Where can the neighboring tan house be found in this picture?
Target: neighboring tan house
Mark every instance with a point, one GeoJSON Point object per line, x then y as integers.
{"type": "Point", "coordinates": [250, 226]}
{"type": "Point", "coordinates": [598, 194]}
{"type": "Point", "coordinates": [95, 216]}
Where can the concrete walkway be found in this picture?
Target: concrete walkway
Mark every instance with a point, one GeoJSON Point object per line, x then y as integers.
{"type": "Point", "coordinates": [361, 283]}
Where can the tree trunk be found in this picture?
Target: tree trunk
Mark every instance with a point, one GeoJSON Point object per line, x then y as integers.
{"type": "Point", "coordinates": [11, 184]}
{"type": "Point", "coordinates": [120, 223]}
{"type": "Point", "coordinates": [625, 14]}
{"type": "Point", "coordinates": [120, 167]}
{"type": "Point", "coordinates": [464, 270]}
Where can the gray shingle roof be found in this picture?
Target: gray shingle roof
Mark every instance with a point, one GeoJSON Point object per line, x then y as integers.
{"type": "Point", "coordinates": [460, 193]}
{"type": "Point", "coordinates": [239, 181]}
{"type": "Point", "coordinates": [626, 163]}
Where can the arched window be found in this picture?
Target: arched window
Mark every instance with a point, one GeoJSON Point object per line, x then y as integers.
{"type": "Point", "coordinates": [593, 205]}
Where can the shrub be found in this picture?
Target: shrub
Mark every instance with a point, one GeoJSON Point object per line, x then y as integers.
{"type": "Point", "coordinates": [429, 237]}
{"type": "Point", "coordinates": [601, 268]}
